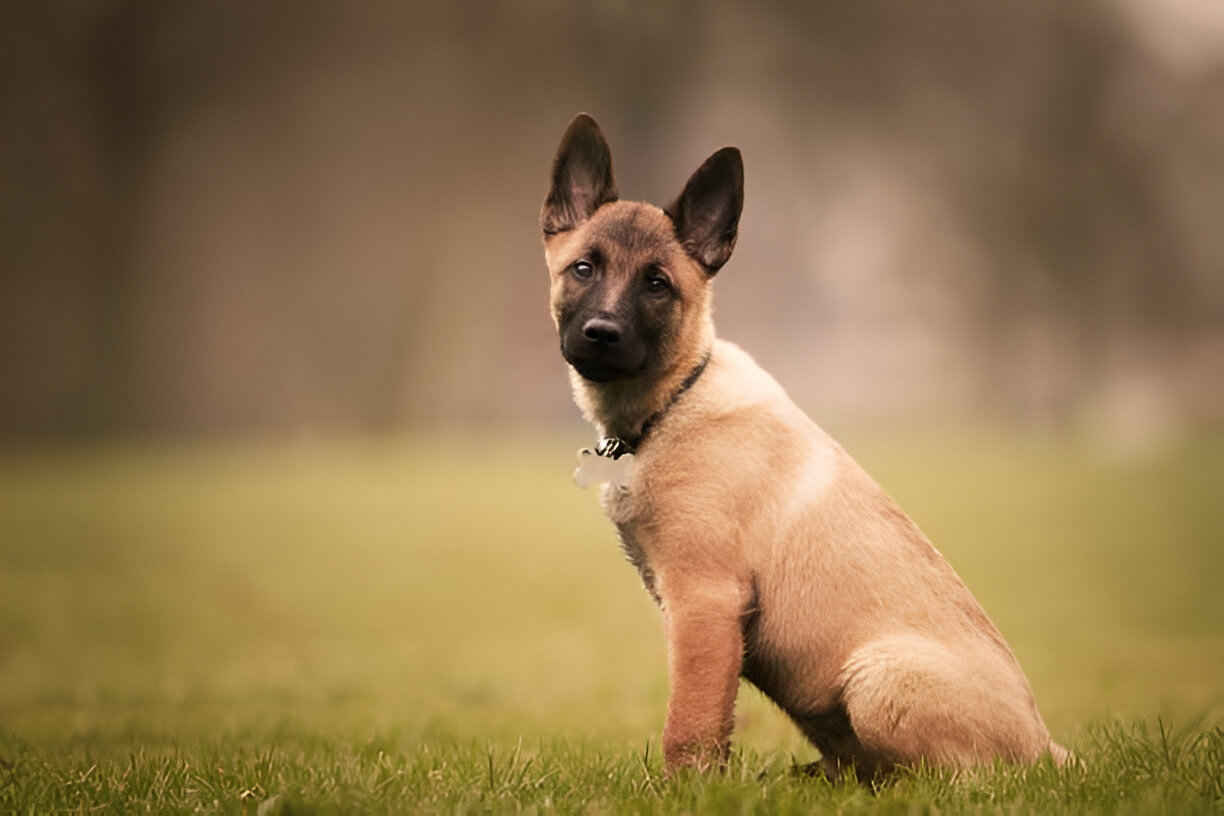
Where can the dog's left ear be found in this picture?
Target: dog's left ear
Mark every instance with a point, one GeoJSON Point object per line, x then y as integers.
{"type": "Point", "coordinates": [581, 177]}
{"type": "Point", "coordinates": [707, 213]}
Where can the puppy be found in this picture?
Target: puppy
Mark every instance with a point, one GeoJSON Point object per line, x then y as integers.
{"type": "Point", "coordinates": [772, 555]}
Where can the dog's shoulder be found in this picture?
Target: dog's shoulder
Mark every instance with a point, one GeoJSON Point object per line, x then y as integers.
{"type": "Point", "coordinates": [738, 438]}
{"type": "Point", "coordinates": [745, 412]}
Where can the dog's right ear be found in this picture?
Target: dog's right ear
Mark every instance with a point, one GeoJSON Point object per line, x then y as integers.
{"type": "Point", "coordinates": [581, 177]}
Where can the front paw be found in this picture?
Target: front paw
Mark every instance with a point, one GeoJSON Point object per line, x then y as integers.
{"type": "Point", "coordinates": [701, 755]}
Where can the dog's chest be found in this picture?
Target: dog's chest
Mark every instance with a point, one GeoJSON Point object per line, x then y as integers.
{"type": "Point", "coordinates": [627, 512]}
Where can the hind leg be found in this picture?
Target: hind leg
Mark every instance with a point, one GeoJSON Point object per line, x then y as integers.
{"type": "Point", "coordinates": [841, 753]}
{"type": "Point", "coordinates": [911, 700]}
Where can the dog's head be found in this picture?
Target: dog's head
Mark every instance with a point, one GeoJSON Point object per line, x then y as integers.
{"type": "Point", "coordinates": [629, 281]}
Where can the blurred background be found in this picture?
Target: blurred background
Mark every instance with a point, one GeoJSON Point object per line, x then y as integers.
{"type": "Point", "coordinates": [229, 217]}
{"type": "Point", "coordinates": [285, 435]}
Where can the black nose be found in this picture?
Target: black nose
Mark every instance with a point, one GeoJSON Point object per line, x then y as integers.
{"type": "Point", "coordinates": [602, 330]}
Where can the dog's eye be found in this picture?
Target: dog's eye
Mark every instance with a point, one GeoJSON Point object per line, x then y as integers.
{"type": "Point", "coordinates": [583, 270]}
{"type": "Point", "coordinates": [656, 283]}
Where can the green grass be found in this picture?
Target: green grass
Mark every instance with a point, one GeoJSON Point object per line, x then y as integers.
{"type": "Point", "coordinates": [447, 625]}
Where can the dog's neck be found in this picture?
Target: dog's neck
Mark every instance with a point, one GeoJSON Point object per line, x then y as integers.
{"type": "Point", "coordinates": [621, 408]}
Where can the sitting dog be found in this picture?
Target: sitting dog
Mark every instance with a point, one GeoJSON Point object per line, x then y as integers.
{"type": "Point", "coordinates": [771, 553]}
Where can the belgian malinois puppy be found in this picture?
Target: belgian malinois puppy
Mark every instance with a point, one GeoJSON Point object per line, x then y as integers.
{"type": "Point", "coordinates": [772, 554]}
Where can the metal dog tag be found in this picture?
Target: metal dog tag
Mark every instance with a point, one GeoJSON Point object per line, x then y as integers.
{"type": "Point", "coordinates": [595, 469]}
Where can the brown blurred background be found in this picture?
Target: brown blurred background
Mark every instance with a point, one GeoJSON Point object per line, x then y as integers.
{"type": "Point", "coordinates": [233, 217]}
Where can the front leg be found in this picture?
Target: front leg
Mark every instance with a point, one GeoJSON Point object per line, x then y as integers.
{"type": "Point", "coordinates": [705, 652]}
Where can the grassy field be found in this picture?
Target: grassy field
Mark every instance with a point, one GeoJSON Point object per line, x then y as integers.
{"type": "Point", "coordinates": [445, 624]}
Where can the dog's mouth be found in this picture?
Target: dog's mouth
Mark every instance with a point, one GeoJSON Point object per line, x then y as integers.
{"type": "Point", "coordinates": [600, 374]}
{"type": "Point", "coordinates": [600, 371]}
{"type": "Point", "coordinates": [603, 367]}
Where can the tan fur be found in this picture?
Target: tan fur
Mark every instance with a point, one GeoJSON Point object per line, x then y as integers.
{"type": "Point", "coordinates": [774, 556]}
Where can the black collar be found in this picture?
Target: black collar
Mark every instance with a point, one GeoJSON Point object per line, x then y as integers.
{"type": "Point", "coordinates": [614, 447]}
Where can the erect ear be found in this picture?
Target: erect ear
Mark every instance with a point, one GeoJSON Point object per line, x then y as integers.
{"type": "Point", "coordinates": [707, 213]}
{"type": "Point", "coordinates": [581, 177]}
